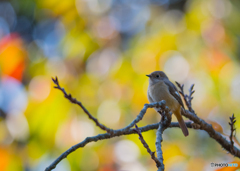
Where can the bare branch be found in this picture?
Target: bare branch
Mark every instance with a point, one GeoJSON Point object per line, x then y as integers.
{"type": "Point", "coordinates": [212, 133]}
{"type": "Point", "coordinates": [139, 117]}
{"type": "Point", "coordinates": [164, 123]}
{"type": "Point", "coordinates": [103, 127]}
{"type": "Point", "coordinates": [99, 137]}
{"type": "Point", "coordinates": [138, 131]}
{"type": "Point", "coordinates": [75, 101]}
{"type": "Point", "coordinates": [204, 125]}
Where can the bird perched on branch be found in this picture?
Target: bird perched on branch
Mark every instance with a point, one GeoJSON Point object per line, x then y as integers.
{"type": "Point", "coordinates": [160, 88]}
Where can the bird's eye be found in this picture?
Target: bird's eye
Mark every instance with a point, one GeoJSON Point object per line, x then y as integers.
{"type": "Point", "coordinates": [157, 76]}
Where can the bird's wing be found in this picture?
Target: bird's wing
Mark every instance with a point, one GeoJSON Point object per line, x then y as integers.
{"type": "Point", "coordinates": [174, 92]}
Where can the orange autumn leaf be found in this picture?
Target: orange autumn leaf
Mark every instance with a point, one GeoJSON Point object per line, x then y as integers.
{"type": "Point", "coordinates": [216, 126]}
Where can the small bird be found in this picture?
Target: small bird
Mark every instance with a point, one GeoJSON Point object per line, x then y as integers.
{"type": "Point", "coordinates": [160, 88]}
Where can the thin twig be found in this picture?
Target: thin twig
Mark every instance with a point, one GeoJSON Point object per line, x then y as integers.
{"type": "Point", "coordinates": [75, 101]}
{"type": "Point", "coordinates": [103, 127]}
{"type": "Point", "coordinates": [190, 97]}
{"type": "Point", "coordinates": [182, 93]}
{"type": "Point", "coordinates": [187, 98]}
{"type": "Point", "coordinates": [139, 117]}
{"type": "Point", "coordinates": [152, 154]}
{"type": "Point", "coordinates": [231, 123]}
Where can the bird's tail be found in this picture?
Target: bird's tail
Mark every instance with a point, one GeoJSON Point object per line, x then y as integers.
{"type": "Point", "coordinates": [182, 124]}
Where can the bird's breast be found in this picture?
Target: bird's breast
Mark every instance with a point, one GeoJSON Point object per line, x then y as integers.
{"type": "Point", "coordinates": [159, 91]}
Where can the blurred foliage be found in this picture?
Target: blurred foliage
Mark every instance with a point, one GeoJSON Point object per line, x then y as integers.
{"type": "Point", "coordinates": [101, 52]}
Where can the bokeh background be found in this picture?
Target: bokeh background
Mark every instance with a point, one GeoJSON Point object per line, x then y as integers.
{"type": "Point", "coordinates": [101, 51]}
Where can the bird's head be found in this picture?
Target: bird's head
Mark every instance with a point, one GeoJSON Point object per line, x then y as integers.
{"type": "Point", "coordinates": [156, 76]}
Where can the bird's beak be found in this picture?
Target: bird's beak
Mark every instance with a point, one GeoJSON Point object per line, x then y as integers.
{"type": "Point", "coordinates": [148, 76]}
